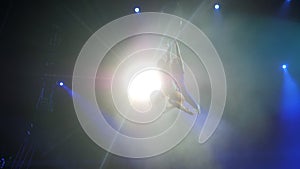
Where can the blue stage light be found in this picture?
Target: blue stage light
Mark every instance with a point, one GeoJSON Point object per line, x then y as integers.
{"type": "Point", "coordinates": [137, 9]}
{"type": "Point", "coordinates": [60, 83]}
{"type": "Point", "coordinates": [284, 66]}
{"type": "Point", "coordinates": [217, 6]}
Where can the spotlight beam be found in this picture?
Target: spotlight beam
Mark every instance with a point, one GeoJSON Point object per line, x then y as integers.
{"type": "Point", "coordinates": [112, 143]}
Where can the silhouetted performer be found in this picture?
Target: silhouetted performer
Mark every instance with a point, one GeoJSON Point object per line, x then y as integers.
{"type": "Point", "coordinates": [177, 71]}
{"type": "Point", "coordinates": [169, 87]}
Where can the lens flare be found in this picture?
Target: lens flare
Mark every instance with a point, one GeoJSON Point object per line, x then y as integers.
{"type": "Point", "coordinates": [284, 66]}
{"type": "Point", "coordinates": [137, 9]}
{"type": "Point", "coordinates": [217, 6]}
{"type": "Point", "coordinates": [60, 83]}
{"type": "Point", "coordinates": [143, 85]}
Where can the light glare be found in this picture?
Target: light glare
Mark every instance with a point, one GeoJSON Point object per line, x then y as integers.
{"type": "Point", "coordinates": [136, 9]}
{"type": "Point", "coordinates": [61, 83]}
{"type": "Point", "coordinates": [284, 66]}
{"type": "Point", "coordinates": [217, 6]}
{"type": "Point", "coordinates": [142, 86]}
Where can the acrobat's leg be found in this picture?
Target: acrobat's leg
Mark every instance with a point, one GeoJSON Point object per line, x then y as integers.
{"type": "Point", "coordinates": [189, 98]}
{"type": "Point", "coordinates": [179, 58]}
{"type": "Point", "coordinates": [180, 106]}
{"type": "Point", "coordinates": [168, 60]}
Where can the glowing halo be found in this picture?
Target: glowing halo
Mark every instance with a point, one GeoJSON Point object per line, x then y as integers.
{"type": "Point", "coordinates": [140, 88]}
{"type": "Point", "coordinates": [85, 104]}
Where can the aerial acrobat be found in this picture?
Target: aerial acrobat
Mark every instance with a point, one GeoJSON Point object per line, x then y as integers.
{"type": "Point", "coordinates": [173, 86]}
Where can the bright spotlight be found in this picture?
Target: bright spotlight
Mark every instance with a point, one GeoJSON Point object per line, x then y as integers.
{"type": "Point", "coordinates": [60, 84]}
{"type": "Point", "coordinates": [284, 66]}
{"type": "Point", "coordinates": [143, 85]}
{"type": "Point", "coordinates": [137, 9]}
{"type": "Point", "coordinates": [217, 6]}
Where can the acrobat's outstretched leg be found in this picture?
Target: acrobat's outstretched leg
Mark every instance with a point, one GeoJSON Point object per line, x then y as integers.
{"type": "Point", "coordinates": [177, 100]}
{"type": "Point", "coordinates": [183, 88]}
{"type": "Point", "coordinates": [180, 106]}
{"type": "Point", "coordinates": [179, 58]}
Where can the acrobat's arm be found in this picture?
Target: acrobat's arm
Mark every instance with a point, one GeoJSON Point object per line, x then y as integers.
{"type": "Point", "coordinates": [179, 55]}
{"type": "Point", "coordinates": [168, 60]}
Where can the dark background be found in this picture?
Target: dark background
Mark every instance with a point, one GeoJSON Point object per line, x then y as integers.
{"type": "Point", "coordinates": [40, 41]}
